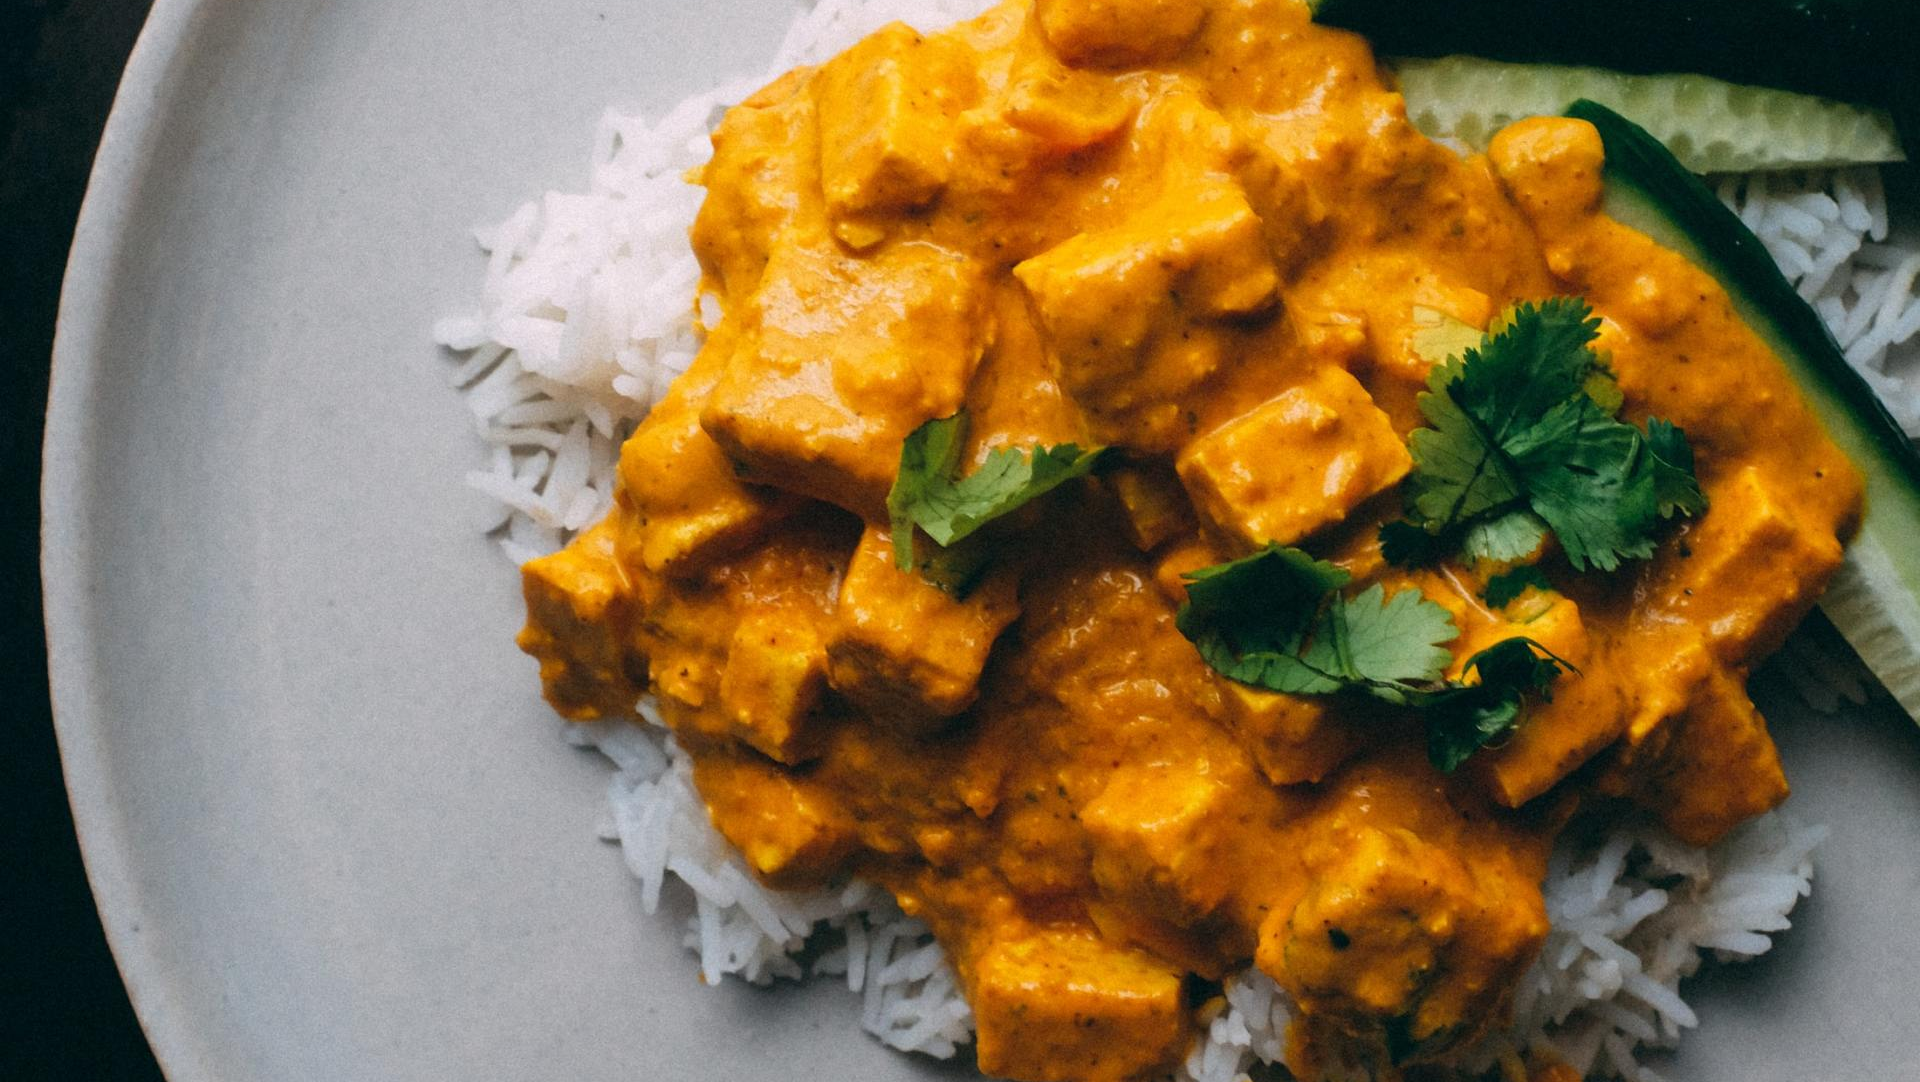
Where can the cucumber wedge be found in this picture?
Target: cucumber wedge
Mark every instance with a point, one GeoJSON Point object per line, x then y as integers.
{"type": "Point", "coordinates": [1710, 125]}
{"type": "Point", "coordinates": [1854, 50]}
{"type": "Point", "coordinates": [1875, 599]}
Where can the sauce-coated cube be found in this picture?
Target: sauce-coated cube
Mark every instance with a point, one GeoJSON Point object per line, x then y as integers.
{"type": "Point", "coordinates": [848, 357]}
{"type": "Point", "coordinates": [904, 648]}
{"type": "Point", "coordinates": [1298, 462]}
{"type": "Point", "coordinates": [776, 671]}
{"type": "Point", "coordinates": [1060, 1005]}
{"type": "Point", "coordinates": [573, 627]}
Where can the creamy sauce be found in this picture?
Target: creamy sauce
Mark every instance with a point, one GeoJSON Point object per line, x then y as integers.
{"type": "Point", "coordinates": [1204, 234]}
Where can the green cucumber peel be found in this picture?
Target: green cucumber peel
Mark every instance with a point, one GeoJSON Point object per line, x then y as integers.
{"type": "Point", "coordinates": [1875, 598]}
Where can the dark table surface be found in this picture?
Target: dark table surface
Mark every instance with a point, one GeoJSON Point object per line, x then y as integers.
{"type": "Point", "coordinates": [59, 991]}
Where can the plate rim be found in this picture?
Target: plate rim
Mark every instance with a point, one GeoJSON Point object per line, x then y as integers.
{"type": "Point", "coordinates": [154, 69]}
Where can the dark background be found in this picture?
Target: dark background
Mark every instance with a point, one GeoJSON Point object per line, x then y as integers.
{"type": "Point", "coordinates": [60, 996]}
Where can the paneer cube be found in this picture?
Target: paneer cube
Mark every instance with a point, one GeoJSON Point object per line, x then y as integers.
{"type": "Point", "coordinates": [1160, 834]}
{"type": "Point", "coordinates": [1291, 738]}
{"type": "Point", "coordinates": [1721, 767]}
{"type": "Point", "coordinates": [844, 358]}
{"type": "Point", "coordinates": [1295, 464]}
{"type": "Point", "coordinates": [1589, 709]}
{"type": "Point", "coordinates": [1413, 914]}
{"type": "Point", "coordinates": [1123, 310]}
{"type": "Point", "coordinates": [775, 674]}
{"type": "Point", "coordinates": [691, 507]}
{"type": "Point", "coordinates": [904, 648]}
{"type": "Point", "coordinates": [1119, 33]}
{"type": "Point", "coordinates": [576, 604]}
{"type": "Point", "coordinates": [1752, 568]}
{"type": "Point", "coordinates": [1069, 110]}
{"type": "Point", "coordinates": [1200, 246]}
{"type": "Point", "coordinates": [791, 830]}
{"type": "Point", "coordinates": [764, 150]}
{"type": "Point", "coordinates": [1061, 1005]}
{"type": "Point", "coordinates": [887, 108]}
{"type": "Point", "coordinates": [1663, 689]}
{"type": "Point", "coordinates": [1399, 929]}
{"type": "Point", "coordinates": [1153, 503]}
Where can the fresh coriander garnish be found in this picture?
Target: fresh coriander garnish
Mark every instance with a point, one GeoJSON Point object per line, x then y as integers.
{"type": "Point", "coordinates": [1507, 585]}
{"type": "Point", "coordinates": [928, 493]}
{"type": "Point", "coordinates": [1524, 440]}
{"type": "Point", "coordinates": [1277, 620]}
{"type": "Point", "coordinates": [1465, 716]}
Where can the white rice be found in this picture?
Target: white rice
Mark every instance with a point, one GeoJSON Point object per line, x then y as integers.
{"type": "Point", "coordinates": [584, 317]}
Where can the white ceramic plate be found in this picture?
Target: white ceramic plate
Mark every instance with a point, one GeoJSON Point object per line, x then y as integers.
{"type": "Point", "coordinates": [330, 828]}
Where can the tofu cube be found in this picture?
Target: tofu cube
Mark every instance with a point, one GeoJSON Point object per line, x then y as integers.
{"type": "Point", "coordinates": [1752, 568]}
{"type": "Point", "coordinates": [843, 359]}
{"type": "Point", "coordinates": [1200, 248]}
{"type": "Point", "coordinates": [1123, 310]}
{"type": "Point", "coordinates": [1153, 503]}
{"type": "Point", "coordinates": [1159, 837]}
{"type": "Point", "coordinates": [904, 648]}
{"type": "Point", "coordinates": [1662, 692]}
{"type": "Point", "coordinates": [1119, 33]}
{"type": "Point", "coordinates": [692, 509]}
{"type": "Point", "coordinates": [1295, 464]}
{"type": "Point", "coordinates": [887, 108]}
{"type": "Point", "coordinates": [1291, 738]}
{"type": "Point", "coordinates": [1068, 110]}
{"type": "Point", "coordinates": [775, 674]}
{"type": "Point", "coordinates": [1392, 925]}
{"type": "Point", "coordinates": [1061, 1005]}
{"type": "Point", "coordinates": [1589, 710]}
{"type": "Point", "coordinates": [791, 830]}
{"type": "Point", "coordinates": [1721, 767]}
{"type": "Point", "coordinates": [577, 601]}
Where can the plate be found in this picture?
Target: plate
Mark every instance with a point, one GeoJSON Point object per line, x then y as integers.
{"type": "Point", "coordinates": [327, 818]}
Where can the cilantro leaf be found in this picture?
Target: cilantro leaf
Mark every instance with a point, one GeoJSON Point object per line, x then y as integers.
{"type": "Point", "coordinates": [1504, 587]}
{"type": "Point", "coordinates": [1676, 490]}
{"type": "Point", "coordinates": [1467, 716]}
{"type": "Point", "coordinates": [1386, 640]}
{"type": "Point", "coordinates": [927, 494]}
{"type": "Point", "coordinates": [1405, 545]}
{"type": "Point", "coordinates": [1523, 439]}
{"type": "Point", "coordinates": [1248, 617]}
{"type": "Point", "coordinates": [1276, 620]}
{"type": "Point", "coordinates": [1587, 479]}
{"type": "Point", "coordinates": [1272, 670]}
{"type": "Point", "coordinates": [1459, 471]}
{"type": "Point", "coordinates": [1262, 602]}
{"type": "Point", "coordinates": [1513, 535]}
{"type": "Point", "coordinates": [1538, 360]}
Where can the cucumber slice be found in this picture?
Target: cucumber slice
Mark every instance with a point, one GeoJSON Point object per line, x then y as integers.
{"type": "Point", "coordinates": [1710, 125]}
{"type": "Point", "coordinates": [1875, 599]}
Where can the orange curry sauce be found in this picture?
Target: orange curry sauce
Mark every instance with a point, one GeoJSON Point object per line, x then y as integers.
{"type": "Point", "coordinates": [1202, 232]}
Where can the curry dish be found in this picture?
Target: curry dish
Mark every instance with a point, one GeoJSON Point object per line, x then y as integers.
{"type": "Point", "coordinates": [1204, 235]}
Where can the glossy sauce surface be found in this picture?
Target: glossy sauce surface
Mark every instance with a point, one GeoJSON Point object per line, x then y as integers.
{"type": "Point", "coordinates": [1204, 234]}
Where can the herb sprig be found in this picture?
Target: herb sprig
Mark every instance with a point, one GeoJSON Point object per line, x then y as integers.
{"type": "Point", "coordinates": [1525, 440]}
{"type": "Point", "coordinates": [929, 493]}
{"type": "Point", "coordinates": [1277, 620]}
{"type": "Point", "coordinates": [1507, 585]}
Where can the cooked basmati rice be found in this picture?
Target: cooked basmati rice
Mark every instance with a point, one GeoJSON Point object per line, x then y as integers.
{"type": "Point", "coordinates": [584, 318]}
